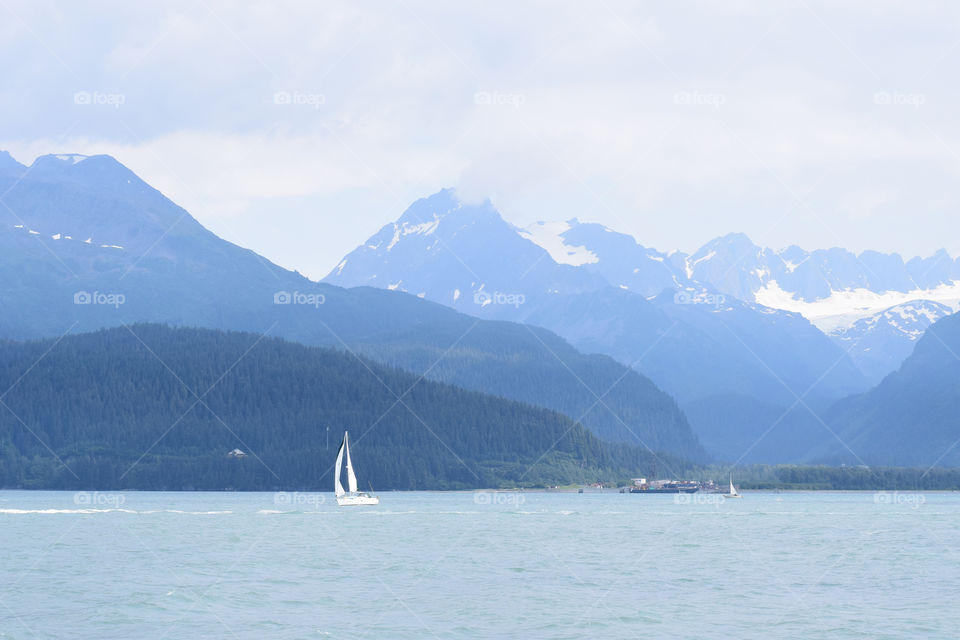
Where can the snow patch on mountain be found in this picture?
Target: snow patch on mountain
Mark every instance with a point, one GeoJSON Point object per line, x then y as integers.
{"type": "Point", "coordinates": [71, 158]}
{"type": "Point", "coordinates": [791, 265]}
{"type": "Point", "coordinates": [63, 236]}
{"type": "Point", "coordinates": [689, 266]}
{"type": "Point", "coordinates": [549, 236]}
{"type": "Point", "coordinates": [842, 309]}
{"type": "Point", "coordinates": [911, 318]}
{"type": "Point", "coordinates": [406, 229]}
{"type": "Point", "coordinates": [912, 312]}
{"type": "Point", "coordinates": [396, 237]}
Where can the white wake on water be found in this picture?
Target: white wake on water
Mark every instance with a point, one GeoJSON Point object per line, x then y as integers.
{"type": "Point", "coordinates": [87, 511]}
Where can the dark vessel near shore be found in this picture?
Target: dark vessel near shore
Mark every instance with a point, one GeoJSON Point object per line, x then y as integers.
{"type": "Point", "coordinates": [667, 487]}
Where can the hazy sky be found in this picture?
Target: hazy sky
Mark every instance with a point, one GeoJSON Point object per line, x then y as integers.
{"type": "Point", "coordinates": [298, 129]}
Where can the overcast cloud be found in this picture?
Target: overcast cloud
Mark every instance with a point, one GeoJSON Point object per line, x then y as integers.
{"type": "Point", "coordinates": [298, 129]}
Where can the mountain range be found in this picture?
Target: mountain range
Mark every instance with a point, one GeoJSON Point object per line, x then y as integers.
{"type": "Point", "coordinates": [87, 244]}
{"type": "Point", "coordinates": [744, 337]}
{"type": "Point", "coordinates": [849, 297]}
{"type": "Point", "coordinates": [735, 352]}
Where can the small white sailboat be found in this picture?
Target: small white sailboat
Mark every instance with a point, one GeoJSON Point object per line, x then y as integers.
{"type": "Point", "coordinates": [733, 491]}
{"type": "Point", "coordinates": [352, 497]}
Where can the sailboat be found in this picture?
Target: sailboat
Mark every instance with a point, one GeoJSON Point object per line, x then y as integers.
{"type": "Point", "coordinates": [733, 491]}
{"type": "Point", "coordinates": [352, 497]}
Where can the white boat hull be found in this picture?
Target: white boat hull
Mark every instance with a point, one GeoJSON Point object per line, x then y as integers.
{"type": "Point", "coordinates": [357, 499]}
{"type": "Point", "coordinates": [732, 495]}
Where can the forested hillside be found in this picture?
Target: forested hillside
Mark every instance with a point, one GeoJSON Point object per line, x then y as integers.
{"type": "Point", "coordinates": [909, 418]}
{"type": "Point", "coordinates": [152, 407]}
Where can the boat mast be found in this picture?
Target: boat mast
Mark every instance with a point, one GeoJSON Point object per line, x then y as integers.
{"type": "Point", "coordinates": [337, 487]}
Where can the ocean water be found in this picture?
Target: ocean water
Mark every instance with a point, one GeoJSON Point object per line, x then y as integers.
{"type": "Point", "coordinates": [479, 565]}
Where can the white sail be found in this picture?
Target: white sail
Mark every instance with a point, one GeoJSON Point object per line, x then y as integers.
{"type": "Point", "coordinates": [351, 476]}
{"type": "Point", "coordinates": [733, 490]}
{"type": "Point", "coordinates": [337, 487]}
{"type": "Point", "coordinates": [353, 497]}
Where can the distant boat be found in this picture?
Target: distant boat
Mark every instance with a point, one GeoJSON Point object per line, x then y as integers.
{"type": "Point", "coordinates": [667, 487]}
{"type": "Point", "coordinates": [352, 497]}
{"type": "Point", "coordinates": [733, 491]}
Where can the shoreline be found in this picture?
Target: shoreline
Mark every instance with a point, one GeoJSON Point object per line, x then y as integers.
{"type": "Point", "coordinates": [575, 491]}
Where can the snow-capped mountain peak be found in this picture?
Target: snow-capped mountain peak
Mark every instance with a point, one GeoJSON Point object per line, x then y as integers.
{"type": "Point", "coordinates": [550, 236]}
{"type": "Point", "coordinates": [881, 341]}
{"type": "Point", "coordinates": [913, 317]}
{"type": "Point", "coordinates": [467, 256]}
{"type": "Point", "coordinates": [843, 308]}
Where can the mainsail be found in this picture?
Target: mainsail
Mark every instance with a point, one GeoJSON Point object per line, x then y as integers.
{"type": "Point", "coordinates": [351, 476]}
{"type": "Point", "coordinates": [351, 497]}
{"type": "Point", "coordinates": [337, 487]}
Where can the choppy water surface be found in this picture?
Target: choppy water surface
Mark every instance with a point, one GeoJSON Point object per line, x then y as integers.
{"type": "Point", "coordinates": [464, 565]}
